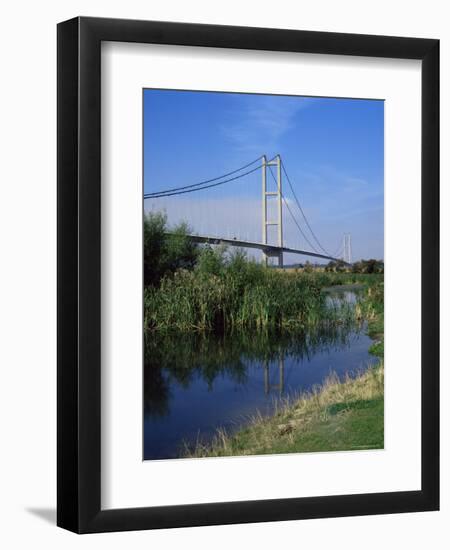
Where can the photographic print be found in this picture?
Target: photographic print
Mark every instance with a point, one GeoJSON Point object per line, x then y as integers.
{"type": "Point", "coordinates": [222, 238]}
{"type": "Point", "coordinates": [263, 270]}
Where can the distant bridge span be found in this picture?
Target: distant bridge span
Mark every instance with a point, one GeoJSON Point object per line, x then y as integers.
{"type": "Point", "coordinates": [268, 249]}
{"type": "Point", "coordinates": [275, 196]}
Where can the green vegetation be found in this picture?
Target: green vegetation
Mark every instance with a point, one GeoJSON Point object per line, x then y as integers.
{"type": "Point", "coordinates": [243, 295]}
{"type": "Point", "coordinates": [164, 254]}
{"type": "Point", "coordinates": [337, 416]}
{"type": "Point", "coordinates": [226, 291]}
{"type": "Point", "coordinates": [368, 266]}
{"type": "Point", "coordinates": [372, 309]}
{"type": "Point", "coordinates": [363, 266]}
{"type": "Point", "coordinates": [330, 279]}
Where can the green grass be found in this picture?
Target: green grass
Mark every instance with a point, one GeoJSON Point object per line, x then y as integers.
{"type": "Point", "coordinates": [372, 309]}
{"type": "Point", "coordinates": [338, 416]}
{"type": "Point", "coordinates": [328, 279]}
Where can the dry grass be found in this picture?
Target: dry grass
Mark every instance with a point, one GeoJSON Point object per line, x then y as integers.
{"type": "Point", "coordinates": [338, 415]}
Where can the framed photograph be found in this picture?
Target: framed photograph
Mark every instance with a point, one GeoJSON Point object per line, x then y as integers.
{"type": "Point", "coordinates": [248, 259]}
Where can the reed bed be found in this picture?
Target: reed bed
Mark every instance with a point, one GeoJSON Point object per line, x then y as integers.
{"type": "Point", "coordinates": [252, 297]}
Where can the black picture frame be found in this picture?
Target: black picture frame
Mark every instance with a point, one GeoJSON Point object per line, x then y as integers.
{"type": "Point", "coordinates": [79, 281]}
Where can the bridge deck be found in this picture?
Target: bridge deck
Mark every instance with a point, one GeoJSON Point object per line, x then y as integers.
{"type": "Point", "coordinates": [269, 249]}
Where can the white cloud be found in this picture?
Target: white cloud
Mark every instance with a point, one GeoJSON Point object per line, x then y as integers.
{"type": "Point", "coordinates": [259, 125]}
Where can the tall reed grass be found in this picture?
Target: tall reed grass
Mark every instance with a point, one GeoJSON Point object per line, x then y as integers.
{"type": "Point", "coordinates": [254, 298]}
{"type": "Point", "coordinates": [228, 291]}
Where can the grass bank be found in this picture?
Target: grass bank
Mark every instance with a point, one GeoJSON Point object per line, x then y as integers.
{"type": "Point", "coordinates": [337, 416]}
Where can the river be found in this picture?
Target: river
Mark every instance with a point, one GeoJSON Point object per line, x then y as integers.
{"type": "Point", "coordinates": [194, 384]}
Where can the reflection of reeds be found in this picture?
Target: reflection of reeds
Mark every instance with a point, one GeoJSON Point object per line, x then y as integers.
{"type": "Point", "coordinates": [185, 356]}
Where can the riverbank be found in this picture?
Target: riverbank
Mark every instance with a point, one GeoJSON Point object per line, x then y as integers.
{"type": "Point", "coordinates": [336, 416]}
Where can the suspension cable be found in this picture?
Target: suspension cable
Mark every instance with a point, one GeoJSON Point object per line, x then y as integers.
{"type": "Point", "coordinates": [339, 252]}
{"type": "Point", "coordinates": [174, 190]}
{"type": "Point", "coordinates": [301, 210]}
{"type": "Point", "coordinates": [292, 215]}
{"type": "Point", "coordinates": [297, 224]}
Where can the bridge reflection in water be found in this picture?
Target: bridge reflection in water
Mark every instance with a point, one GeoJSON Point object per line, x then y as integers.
{"type": "Point", "coordinates": [268, 386]}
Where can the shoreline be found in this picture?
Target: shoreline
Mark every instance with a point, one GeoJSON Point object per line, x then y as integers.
{"type": "Point", "coordinates": [336, 416]}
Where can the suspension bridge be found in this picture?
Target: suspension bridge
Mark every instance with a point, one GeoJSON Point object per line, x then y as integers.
{"type": "Point", "coordinates": [274, 202]}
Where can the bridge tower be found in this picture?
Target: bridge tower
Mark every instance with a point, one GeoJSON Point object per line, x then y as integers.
{"type": "Point", "coordinates": [277, 195]}
{"type": "Point", "coordinates": [347, 248]}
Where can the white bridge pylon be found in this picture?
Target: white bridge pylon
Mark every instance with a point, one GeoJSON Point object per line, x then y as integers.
{"type": "Point", "coordinates": [276, 195]}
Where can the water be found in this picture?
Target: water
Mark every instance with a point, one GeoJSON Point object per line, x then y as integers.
{"type": "Point", "coordinates": [194, 384]}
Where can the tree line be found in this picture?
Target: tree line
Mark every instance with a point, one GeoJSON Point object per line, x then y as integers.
{"type": "Point", "coordinates": [362, 266]}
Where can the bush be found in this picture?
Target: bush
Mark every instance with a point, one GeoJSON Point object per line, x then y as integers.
{"type": "Point", "coordinates": [166, 249]}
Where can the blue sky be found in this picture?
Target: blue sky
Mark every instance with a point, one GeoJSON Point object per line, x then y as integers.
{"type": "Point", "coordinates": [333, 150]}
